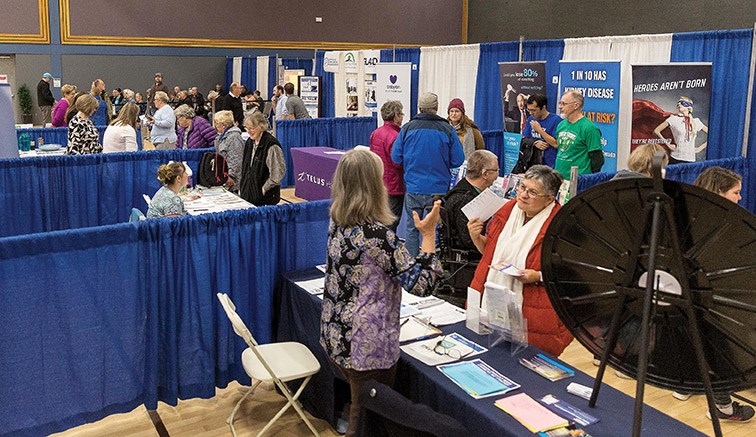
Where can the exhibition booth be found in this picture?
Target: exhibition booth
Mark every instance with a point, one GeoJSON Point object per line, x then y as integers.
{"type": "Point", "coordinates": [102, 315]}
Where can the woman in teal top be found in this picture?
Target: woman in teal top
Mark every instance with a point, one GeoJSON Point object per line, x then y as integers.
{"type": "Point", "coordinates": [166, 202]}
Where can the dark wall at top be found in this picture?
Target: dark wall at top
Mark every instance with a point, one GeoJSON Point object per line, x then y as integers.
{"type": "Point", "coordinates": [19, 16]}
{"type": "Point", "coordinates": [367, 21]}
{"type": "Point", "coordinates": [506, 20]}
{"type": "Point", "coordinates": [138, 72]}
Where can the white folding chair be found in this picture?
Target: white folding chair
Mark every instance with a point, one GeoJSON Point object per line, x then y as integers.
{"type": "Point", "coordinates": [277, 362]}
{"type": "Point", "coordinates": [147, 199]}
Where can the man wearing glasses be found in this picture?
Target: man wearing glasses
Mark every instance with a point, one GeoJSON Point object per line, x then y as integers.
{"type": "Point", "coordinates": [542, 125]}
{"type": "Point", "coordinates": [578, 139]}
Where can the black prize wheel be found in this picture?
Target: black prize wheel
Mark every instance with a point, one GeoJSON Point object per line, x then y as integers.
{"type": "Point", "coordinates": [595, 257]}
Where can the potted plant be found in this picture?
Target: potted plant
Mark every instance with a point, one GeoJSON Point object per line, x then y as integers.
{"type": "Point", "coordinates": [25, 103]}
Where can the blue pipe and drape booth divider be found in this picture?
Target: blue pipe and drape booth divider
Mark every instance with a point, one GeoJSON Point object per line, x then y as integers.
{"type": "Point", "coordinates": [688, 172]}
{"type": "Point", "coordinates": [339, 133]}
{"type": "Point", "coordinates": [59, 135]}
{"type": "Point", "coordinates": [729, 51]}
{"type": "Point", "coordinates": [100, 320]}
{"type": "Point", "coordinates": [64, 192]}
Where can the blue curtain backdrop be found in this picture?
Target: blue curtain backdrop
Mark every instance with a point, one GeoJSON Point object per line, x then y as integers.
{"type": "Point", "coordinates": [339, 133]}
{"type": "Point", "coordinates": [494, 141]}
{"type": "Point", "coordinates": [407, 55]}
{"type": "Point", "coordinates": [272, 74]}
{"type": "Point", "coordinates": [299, 64]}
{"type": "Point", "coordinates": [123, 315]}
{"type": "Point", "coordinates": [488, 88]}
{"type": "Point", "coordinates": [327, 86]}
{"type": "Point", "coordinates": [65, 192]}
{"type": "Point", "coordinates": [59, 135]}
{"type": "Point", "coordinates": [752, 123]}
{"type": "Point", "coordinates": [229, 72]}
{"type": "Point", "coordinates": [249, 73]}
{"type": "Point", "coordinates": [729, 51]}
{"type": "Point", "coordinates": [551, 51]}
{"type": "Point", "coordinates": [688, 172]}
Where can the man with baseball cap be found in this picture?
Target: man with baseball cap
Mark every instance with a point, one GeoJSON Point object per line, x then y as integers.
{"type": "Point", "coordinates": [159, 86]}
{"type": "Point", "coordinates": [428, 148]}
{"type": "Point", "coordinates": [45, 99]}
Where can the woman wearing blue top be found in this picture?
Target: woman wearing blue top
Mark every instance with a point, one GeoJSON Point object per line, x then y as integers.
{"type": "Point", "coordinates": [101, 117]}
{"type": "Point", "coordinates": [166, 201]}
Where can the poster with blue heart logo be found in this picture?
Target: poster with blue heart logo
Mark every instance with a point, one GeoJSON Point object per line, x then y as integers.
{"type": "Point", "coordinates": [599, 84]}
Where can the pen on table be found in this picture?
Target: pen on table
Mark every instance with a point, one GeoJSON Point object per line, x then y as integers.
{"type": "Point", "coordinates": [427, 324]}
{"type": "Point", "coordinates": [404, 322]}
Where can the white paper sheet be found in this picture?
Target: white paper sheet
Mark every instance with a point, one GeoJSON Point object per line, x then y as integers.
{"type": "Point", "coordinates": [484, 205]}
{"type": "Point", "coordinates": [313, 286]}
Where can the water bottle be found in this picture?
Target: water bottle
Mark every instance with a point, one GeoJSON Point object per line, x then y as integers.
{"type": "Point", "coordinates": [24, 144]}
{"type": "Point", "coordinates": [189, 174]}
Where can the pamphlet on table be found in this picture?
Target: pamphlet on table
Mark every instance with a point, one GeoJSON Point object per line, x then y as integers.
{"type": "Point", "coordinates": [568, 411]}
{"type": "Point", "coordinates": [546, 367]}
{"type": "Point", "coordinates": [478, 379]}
{"type": "Point", "coordinates": [415, 328]}
{"type": "Point", "coordinates": [443, 350]}
{"type": "Point", "coordinates": [530, 413]}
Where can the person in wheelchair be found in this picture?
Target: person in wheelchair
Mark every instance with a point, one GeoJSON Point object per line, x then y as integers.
{"type": "Point", "coordinates": [458, 253]}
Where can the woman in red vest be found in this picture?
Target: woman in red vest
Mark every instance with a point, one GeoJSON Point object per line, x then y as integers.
{"type": "Point", "coordinates": [515, 237]}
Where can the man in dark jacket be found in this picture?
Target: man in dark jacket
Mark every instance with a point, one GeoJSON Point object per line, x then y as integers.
{"type": "Point", "coordinates": [231, 102]}
{"type": "Point", "coordinates": [45, 99]}
{"type": "Point", "coordinates": [198, 101]}
{"type": "Point", "coordinates": [159, 86]}
{"type": "Point", "coordinates": [482, 171]}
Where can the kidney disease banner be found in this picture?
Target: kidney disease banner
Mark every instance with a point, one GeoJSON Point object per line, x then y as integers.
{"type": "Point", "coordinates": [671, 108]}
{"type": "Point", "coordinates": [393, 82]}
{"type": "Point", "coordinates": [599, 83]}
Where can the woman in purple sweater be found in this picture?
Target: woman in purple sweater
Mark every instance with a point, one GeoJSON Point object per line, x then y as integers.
{"type": "Point", "coordinates": [193, 132]}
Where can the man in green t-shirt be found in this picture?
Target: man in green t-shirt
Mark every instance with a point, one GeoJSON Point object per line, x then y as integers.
{"type": "Point", "coordinates": [578, 139]}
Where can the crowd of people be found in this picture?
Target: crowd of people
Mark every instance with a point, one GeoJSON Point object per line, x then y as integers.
{"type": "Point", "coordinates": [177, 118]}
{"type": "Point", "coordinates": [407, 170]}
{"type": "Point", "coordinates": [410, 166]}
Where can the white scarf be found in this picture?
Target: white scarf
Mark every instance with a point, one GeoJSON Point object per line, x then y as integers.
{"type": "Point", "coordinates": [513, 245]}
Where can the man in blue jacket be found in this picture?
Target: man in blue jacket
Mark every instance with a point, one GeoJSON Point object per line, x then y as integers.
{"type": "Point", "coordinates": [428, 148]}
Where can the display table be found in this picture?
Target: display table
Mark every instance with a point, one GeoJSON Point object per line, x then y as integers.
{"type": "Point", "coordinates": [214, 199]}
{"type": "Point", "coordinates": [313, 171]}
{"type": "Point", "coordinates": [298, 319]}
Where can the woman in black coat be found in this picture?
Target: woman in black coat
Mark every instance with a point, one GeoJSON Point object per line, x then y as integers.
{"type": "Point", "coordinates": [263, 165]}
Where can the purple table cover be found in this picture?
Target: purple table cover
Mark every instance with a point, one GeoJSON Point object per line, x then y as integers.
{"type": "Point", "coordinates": [313, 171]}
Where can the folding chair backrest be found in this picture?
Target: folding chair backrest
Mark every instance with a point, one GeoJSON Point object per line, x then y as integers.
{"type": "Point", "coordinates": [239, 327]}
{"type": "Point", "coordinates": [267, 107]}
{"type": "Point", "coordinates": [147, 199]}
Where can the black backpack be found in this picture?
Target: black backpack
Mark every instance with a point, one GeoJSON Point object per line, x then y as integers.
{"type": "Point", "coordinates": [530, 155]}
{"type": "Point", "coordinates": [213, 170]}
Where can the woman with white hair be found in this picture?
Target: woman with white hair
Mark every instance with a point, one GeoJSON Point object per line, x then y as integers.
{"type": "Point", "coordinates": [263, 164]}
{"type": "Point", "coordinates": [193, 132]}
{"type": "Point", "coordinates": [163, 123]}
{"type": "Point", "coordinates": [230, 145]}
{"type": "Point", "coordinates": [367, 267]}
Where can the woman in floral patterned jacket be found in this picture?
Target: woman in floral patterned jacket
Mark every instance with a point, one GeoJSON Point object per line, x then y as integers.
{"type": "Point", "coordinates": [366, 269]}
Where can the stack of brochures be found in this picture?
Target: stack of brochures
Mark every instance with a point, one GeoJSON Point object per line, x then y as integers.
{"type": "Point", "coordinates": [530, 413]}
{"type": "Point", "coordinates": [478, 379]}
{"type": "Point", "coordinates": [546, 367]}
